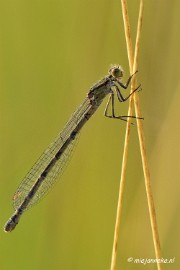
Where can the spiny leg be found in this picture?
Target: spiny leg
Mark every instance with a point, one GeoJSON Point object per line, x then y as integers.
{"type": "Point", "coordinates": [110, 100]}
{"type": "Point", "coordinates": [125, 86]}
{"type": "Point", "coordinates": [121, 99]}
{"type": "Point", "coordinates": [120, 96]}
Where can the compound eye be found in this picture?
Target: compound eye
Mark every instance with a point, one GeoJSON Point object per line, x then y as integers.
{"type": "Point", "coordinates": [116, 72]}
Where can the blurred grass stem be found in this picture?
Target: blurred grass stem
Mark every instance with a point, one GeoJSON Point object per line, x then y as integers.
{"type": "Point", "coordinates": [133, 64]}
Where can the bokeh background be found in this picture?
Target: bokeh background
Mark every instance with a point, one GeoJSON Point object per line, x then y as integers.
{"type": "Point", "coordinates": [51, 53]}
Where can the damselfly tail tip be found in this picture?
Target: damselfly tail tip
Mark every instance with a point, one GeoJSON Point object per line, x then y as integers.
{"type": "Point", "coordinates": [9, 226]}
{"type": "Point", "coordinates": [11, 223]}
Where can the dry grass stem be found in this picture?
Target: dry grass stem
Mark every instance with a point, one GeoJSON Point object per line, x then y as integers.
{"type": "Point", "coordinates": [133, 64]}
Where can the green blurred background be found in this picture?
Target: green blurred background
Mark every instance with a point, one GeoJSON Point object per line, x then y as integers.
{"type": "Point", "coordinates": [51, 53]}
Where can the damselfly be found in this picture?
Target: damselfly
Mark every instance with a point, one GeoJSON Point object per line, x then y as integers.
{"type": "Point", "coordinates": [50, 165]}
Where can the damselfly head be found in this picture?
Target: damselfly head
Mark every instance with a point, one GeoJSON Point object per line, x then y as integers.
{"type": "Point", "coordinates": [116, 71]}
